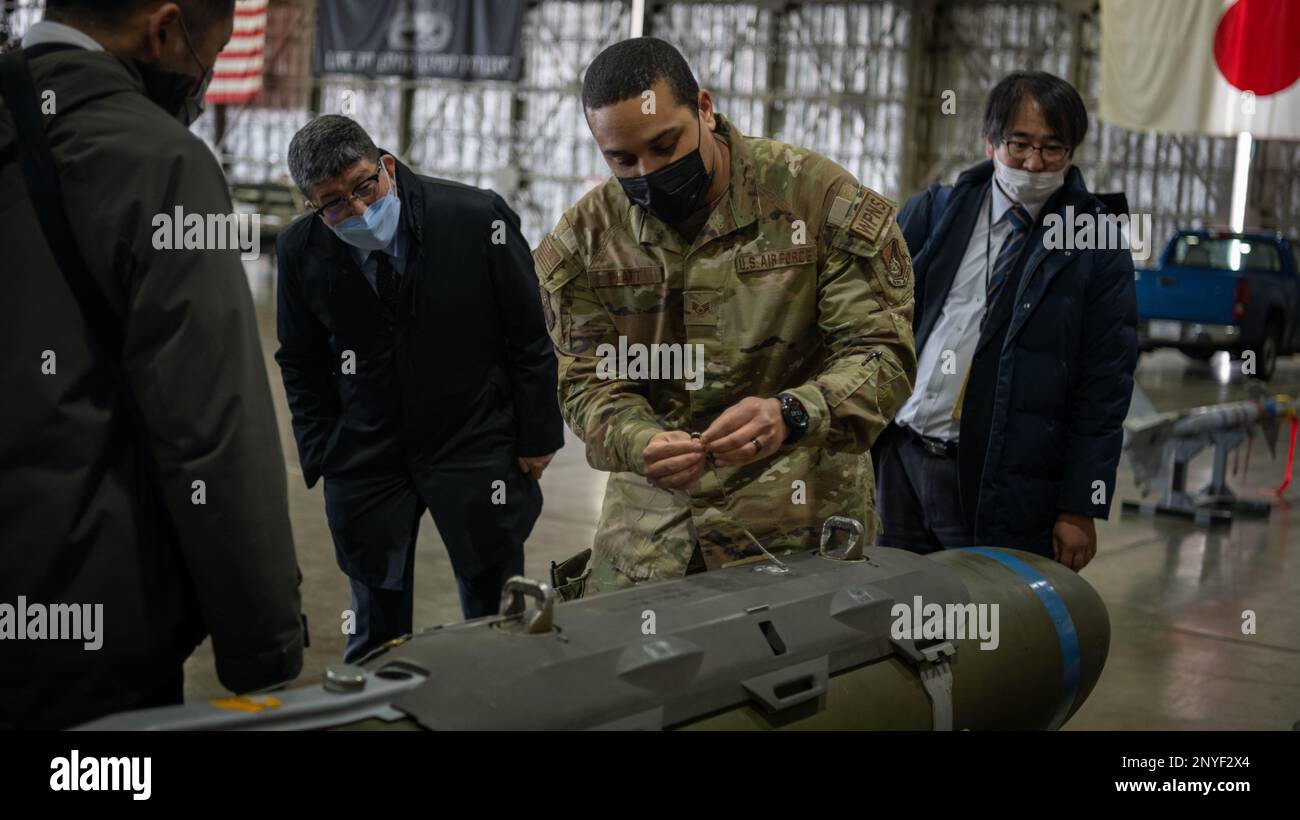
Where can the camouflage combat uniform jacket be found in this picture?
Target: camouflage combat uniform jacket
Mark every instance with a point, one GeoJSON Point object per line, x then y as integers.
{"type": "Point", "coordinates": [799, 282]}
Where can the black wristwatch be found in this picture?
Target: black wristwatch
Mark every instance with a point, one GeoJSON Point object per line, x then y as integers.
{"type": "Point", "coordinates": [795, 417]}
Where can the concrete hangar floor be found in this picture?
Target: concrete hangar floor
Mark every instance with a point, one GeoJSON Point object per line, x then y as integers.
{"type": "Point", "coordinates": [1176, 592]}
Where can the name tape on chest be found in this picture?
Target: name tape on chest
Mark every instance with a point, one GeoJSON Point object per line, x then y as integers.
{"type": "Point", "coordinates": [610, 277]}
{"type": "Point", "coordinates": [779, 258]}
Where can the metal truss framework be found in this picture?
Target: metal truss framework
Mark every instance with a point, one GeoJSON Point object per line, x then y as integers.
{"type": "Point", "coordinates": [862, 82]}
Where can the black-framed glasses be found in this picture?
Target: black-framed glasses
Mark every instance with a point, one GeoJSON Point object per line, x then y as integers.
{"type": "Point", "coordinates": [337, 209]}
{"type": "Point", "coordinates": [1020, 150]}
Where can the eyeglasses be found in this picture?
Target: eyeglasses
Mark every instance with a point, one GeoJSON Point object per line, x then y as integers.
{"type": "Point", "coordinates": [1022, 150]}
{"type": "Point", "coordinates": [190, 45]}
{"type": "Point", "coordinates": [336, 210]}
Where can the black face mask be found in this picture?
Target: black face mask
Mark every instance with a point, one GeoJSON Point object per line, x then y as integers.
{"type": "Point", "coordinates": [173, 91]}
{"type": "Point", "coordinates": [674, 192]}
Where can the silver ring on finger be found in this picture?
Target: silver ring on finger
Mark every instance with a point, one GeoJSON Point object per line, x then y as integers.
{"type": "Point", "coordinates": [758, 445]}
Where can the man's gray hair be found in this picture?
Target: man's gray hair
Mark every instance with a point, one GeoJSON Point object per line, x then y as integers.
{"type": "Point", "coordinates": [326, 147]}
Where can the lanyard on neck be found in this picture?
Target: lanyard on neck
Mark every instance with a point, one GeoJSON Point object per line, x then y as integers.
{"type": "Point", "coordinates": [988, 251]}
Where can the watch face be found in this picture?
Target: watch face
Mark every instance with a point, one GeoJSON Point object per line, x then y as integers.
{"type": "Point", "coordinates": [794, 408]}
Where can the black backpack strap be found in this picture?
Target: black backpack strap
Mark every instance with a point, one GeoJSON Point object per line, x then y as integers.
{"type": "Point", "coordinates": [42, 179]}
{"type": "Point", "coordinates": [939, 195]}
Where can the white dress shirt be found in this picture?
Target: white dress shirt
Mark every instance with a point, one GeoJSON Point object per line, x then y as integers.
{"type": "Point", "coordinates": [956, 332]}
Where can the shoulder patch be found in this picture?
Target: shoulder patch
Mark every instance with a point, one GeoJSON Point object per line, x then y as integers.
{"type": "Point", "coordinates": [872, 217]}
{"type": "Point", "coordinates": [546, 256]}
{"type": "Point", "coordinates": [898, 265]}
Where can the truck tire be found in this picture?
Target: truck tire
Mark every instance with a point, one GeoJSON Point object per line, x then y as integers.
{"type": "Point", "coordinates": [1269, 347]}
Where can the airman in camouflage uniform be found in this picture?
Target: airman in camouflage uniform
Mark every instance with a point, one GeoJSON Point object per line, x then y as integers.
{"type": "Point", "coordinates": [799, 282]}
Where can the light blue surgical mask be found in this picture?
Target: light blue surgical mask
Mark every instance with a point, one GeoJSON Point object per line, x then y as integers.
{"type": "Point", "coordinates": [373, 230]}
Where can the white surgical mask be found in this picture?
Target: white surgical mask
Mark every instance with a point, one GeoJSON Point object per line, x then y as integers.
{"type": "Point", "coordinates": [1031, 188]}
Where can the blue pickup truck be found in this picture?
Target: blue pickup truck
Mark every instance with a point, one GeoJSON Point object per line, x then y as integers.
{"type": "Point", "coordinates": [1218, 290]}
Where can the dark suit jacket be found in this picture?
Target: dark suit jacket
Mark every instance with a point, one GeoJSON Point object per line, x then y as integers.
{"type": "Point", "coordinates": [463, 376]}
{"type": "Point", "coordinates": [1043, 413]}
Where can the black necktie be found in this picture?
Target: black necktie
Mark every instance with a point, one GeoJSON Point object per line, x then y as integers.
{"type": "Point", "coordinates": [1018, 217]}
{"type": "Point", "coordinates": [388, 283]}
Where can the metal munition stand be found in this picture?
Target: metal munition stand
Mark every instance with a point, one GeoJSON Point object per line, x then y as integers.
{"type": "Point", "coordinates": [1161, 449]}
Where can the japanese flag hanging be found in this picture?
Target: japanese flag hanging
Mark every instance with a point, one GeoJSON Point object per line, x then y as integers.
{"type": "Point", "coordinates": [1215, 67]}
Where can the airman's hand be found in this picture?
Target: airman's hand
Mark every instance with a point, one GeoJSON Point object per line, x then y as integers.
{"type": "Point", "coordinates": [731, 437]}
{"type": "Point", "coordinates": [673, 459]}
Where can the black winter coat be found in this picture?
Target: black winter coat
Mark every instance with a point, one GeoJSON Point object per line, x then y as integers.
{"type": "Point", "coordinates": [1042, 416]}
{"type": "Point", "coordinates": [86, 517]}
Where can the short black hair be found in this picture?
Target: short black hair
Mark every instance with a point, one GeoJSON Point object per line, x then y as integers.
{"type": "Point", "coordinates": [109, 14]}
{"type": "Point", "coordinates": [326, 147]}
{"type": "Point", "coordinates": [628, 68]}
{"type": "Point", "coordinates": [1063, 108]}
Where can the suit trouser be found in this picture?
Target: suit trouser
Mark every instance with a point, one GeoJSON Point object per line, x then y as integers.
{"type": "Point", "coordinates": [384, 614]}
{"type": "Point", "coordinates": [374, 521]}
{"type": "Point", "coordinates": [918, 496]}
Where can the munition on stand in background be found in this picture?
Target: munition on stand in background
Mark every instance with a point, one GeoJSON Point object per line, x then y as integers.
{"type": "Point", "coordinates": [818, 647]}
{"type": "Point", "coordinates": [1160, 446]}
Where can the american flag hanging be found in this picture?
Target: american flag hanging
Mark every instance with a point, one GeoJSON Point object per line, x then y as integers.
{"type": "Point", "coordinates": [238, 75]}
